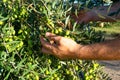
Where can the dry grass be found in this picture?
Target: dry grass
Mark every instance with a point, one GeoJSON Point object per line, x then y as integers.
{"type": "Point", "coordinates": [112, 30]}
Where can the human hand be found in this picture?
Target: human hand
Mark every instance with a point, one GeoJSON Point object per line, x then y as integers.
{"type": "Point", "coordinates": [63, 48]}
{"type": "Point", "coordinates": [95, 14]}
{"type": "Point", "coordinates": [84, 16]}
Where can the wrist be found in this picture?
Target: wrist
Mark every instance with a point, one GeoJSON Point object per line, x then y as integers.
{"type": "Point", "coordinates": [85, 52]}
{"type": "Point", "coordinates": [78, 51]}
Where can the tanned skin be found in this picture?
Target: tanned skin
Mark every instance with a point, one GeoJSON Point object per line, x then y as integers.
{"type": "Point", "coordinates": [65, 48]}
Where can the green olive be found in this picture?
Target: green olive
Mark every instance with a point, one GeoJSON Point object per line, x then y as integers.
{"type": "Point", "coordinates": [67, 32]}
{"type": "Point", "coordinates": [36, 77]}
{"type": "Point", "coordinates": [4, 1]}
{"type": "Point", "coordinates": [1, 22]}
{"type": "Point", "coordinates": [47, 72]}
{"type": "Point", "coordinates": [60, 29]}
{"type": "Point", "coordinates": [49, 61]}
{"type": "Point", "coordinates": [76, 68]}
{"type": "Point", "coordinates": [56, 31]}
{"type": "Point", "coordinates": [55, 75]}
{"type": "Point", "coordinates": [59, 66]}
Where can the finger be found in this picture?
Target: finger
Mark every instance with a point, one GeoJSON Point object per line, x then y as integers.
{"type": "Point", "coordinates": [46, 51]}
{"type": "Point", "coordinates": [48, 34]}
{"type": "Point", "coordinates": [53, 37]}
{"type": "Point", "coordinates": [47, 45]}
{"type": "Point", "coordinates": [44, 43]}
{"type": "Point", "coordinates": [42, 40]}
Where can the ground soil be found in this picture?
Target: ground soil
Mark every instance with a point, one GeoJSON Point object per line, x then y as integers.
{"type": "Point", "coordinates": [112, 68]}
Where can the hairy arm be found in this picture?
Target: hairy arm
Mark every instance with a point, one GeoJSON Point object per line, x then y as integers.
{"type": "Point", "coordinates": [108, 50]}
{"type": "Point", "coordinates": [65, 48]}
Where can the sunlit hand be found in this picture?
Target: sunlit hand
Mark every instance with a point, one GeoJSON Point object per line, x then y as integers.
{"type": "Point", "coordinates": [61, 47]}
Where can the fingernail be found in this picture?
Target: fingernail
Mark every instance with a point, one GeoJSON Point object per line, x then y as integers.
{"type": "Point", "coordinates": [47, 34]}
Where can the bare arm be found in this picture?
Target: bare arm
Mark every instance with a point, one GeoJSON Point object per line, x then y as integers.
{"type": "Point", "coordinates": [108, 50]}
{"type": "Point", "coordinates": [65, 48]}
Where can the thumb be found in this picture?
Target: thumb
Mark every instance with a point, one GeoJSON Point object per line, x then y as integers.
{"type": "Point", "coordinates": [48, 34]}
{"type": "Point", "coordinates": [53, 37]}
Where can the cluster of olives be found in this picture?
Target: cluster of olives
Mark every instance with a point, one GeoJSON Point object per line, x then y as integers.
{"type": "Point", "coordinates": [28, 19]}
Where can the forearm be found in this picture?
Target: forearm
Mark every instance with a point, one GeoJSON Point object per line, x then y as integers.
{"type": "Point", "coordinates": [109, 50]}
{"type": "Point", "coordinates": [107, 14]}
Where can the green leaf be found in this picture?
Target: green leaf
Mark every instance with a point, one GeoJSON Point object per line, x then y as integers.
{"type": "Point", "coordinates": [13, 45]}
{"type": "Point", "coordinates": [67, 20]}
{"type": "Point", "coordinates": [68, 10]}
{"type": "Point", "coordinates": [4, 19]}
{"type": "Point", "coordinates": [74, 26]}
{"type": "Point", "coordinates": [20, 65]}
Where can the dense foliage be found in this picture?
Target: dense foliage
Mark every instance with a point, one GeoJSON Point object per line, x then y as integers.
{"type": "Point", "coordinates": [21, 24]}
